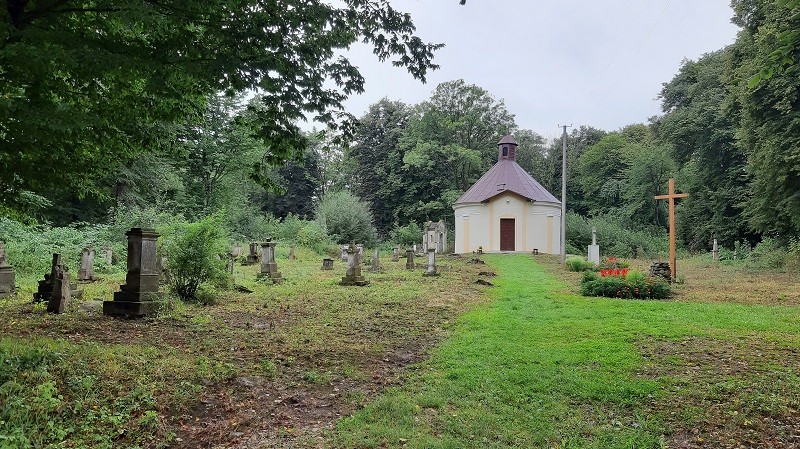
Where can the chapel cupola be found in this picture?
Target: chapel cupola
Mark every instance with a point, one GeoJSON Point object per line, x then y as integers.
{"type": "Point", "coordinates": [507, 149]}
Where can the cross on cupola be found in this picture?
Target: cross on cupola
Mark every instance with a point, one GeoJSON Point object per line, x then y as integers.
{"type": "Point", "coordinates": [507, 149]}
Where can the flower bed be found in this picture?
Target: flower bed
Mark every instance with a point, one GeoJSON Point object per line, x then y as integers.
{"type": "Point", "coordinates": [631, 285]}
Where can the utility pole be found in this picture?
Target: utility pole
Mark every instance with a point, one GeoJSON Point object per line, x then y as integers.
{"type": "Point", "coordinates": [564, 193]}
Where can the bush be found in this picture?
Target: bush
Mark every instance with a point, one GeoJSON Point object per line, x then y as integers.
{"type": "Point", "coordinates": [635, 285]}
{"type": "Point", "coordinates": [192, 256]}
{"type": "Point", "coordinates": [346, 218]}
{"type": "Point", "coordinates": [577, 263]}
{"type": "Point", "coordinates": [615, 237]}
{"type": "Point", "coordinates": [406, 235]}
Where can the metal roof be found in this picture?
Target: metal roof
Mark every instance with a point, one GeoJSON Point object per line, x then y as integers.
{"type": "Point", "coordinates": [506, 176]}
{"type": "Point", "coordinates": [508, 139]}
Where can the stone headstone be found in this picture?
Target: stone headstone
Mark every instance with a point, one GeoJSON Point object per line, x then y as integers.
{"type": "Point", "coordinates": [229, 263]}
{"type": "Point", "coordinates": [344, 253]}
{"type": "Point", "coordinates": [431, 270]}
{"type": "Point", "coordinates": [715, 251]}
{"type": "Point", "coordinates": [236, 251]}
{"type": "Point", "coordinates": [45, 288]}
{"type": "Point", "coordinates": [434, 235]}
{"type": "Point", "coordinates": [62, 294]}
{"type": "Point", "coordinates": [269, 268]}
{"type": "Point", "coordinates": [163, 272]}
{"type": "Point", "coordinates": [292, 255]}
{"type": "Point", "coordinates": [327, 264]}
{"type": "Point", "coordinates": [594, 249]}
{"type": "Point", "coordinates": [86, 271]}
{"type": "Point", "coordinates": [410, 259]}
{"type": "Point", "coordinates": [353, 274]}
{"type": "Point", "coordinates": [7, 281]}
{"type": "Point", "coordinates": [376, 262]}
{"type": "Point", "coordinates": [395, 254]}
{"type": "Point", "coordinates": [138, 297]}
{"type": "Point", "coordinates": [252, 257]}
{"type": "Point", "coordinates": [107, 254]}
{"type": "Point", "coordinates": [360, 252]}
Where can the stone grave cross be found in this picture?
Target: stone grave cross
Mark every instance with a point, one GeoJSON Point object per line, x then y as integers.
{"type": "Point", "coordinates": [672, 196]}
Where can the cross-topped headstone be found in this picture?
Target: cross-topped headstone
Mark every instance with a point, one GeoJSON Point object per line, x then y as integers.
{"type": "Point", "coordinates": [672, 196]}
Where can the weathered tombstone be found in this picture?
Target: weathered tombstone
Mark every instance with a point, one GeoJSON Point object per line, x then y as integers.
{"type": "Point", "coordinates": [107, 254]}
{"type": "Point", "coordinates": [229, 263]}
{"type": "Point", "coordinates": [353, 274]}
{"type": "Point", "coordinates": [163, 272]}
{"type": "Point", "coordinates": [86, 271]}
{"type": "Point", "coordinates": [45, 289]}
{"type": "Point", "coordinates": [292, 255]}
{"type": "Point", "coordinates": [269, 268]}
{"type": "Point", "coordinates": [395, 254]}
{"type": "Point", "coordinates": [360, 252]}
{"type": "Point", "coordinates": [253, 256]}
{"type": "Point", "coordinates": [61, 294]}
{"type": "Point", "coordinates": [236, 251]}
{"type": "Point", "coordinates": [431, 271]}
{"type": "Point", "coordinates": [344, 253]}
{"type": "Point", "coordinates": [138, 297]}
{"type": "Point", "coordinates": [715, 251]}
{"type": "Point", "coordinates": [410, 259]}
{"type": "Point", "coordinates": [434, 235]}
{"type": "Point", "coordinates": [7, 281]}
{"type": "Point", "coordinates": [327, 264]}
{"type": "Point", "coordinates": [594, 249]}
{"type": "Point", "coordinates": [376, 262]}
{"type": "Point", "coordinates": [414, 247]}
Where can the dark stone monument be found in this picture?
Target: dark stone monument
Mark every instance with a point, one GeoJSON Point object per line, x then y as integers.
{"type": "Point", "coordinates": [45, 290]}
{"type": "Point", "coordinates": [86, 271]}
{"type": "Point", "coordinates": [252, 258]}
{"type": "Point", "coordinates": [376, 262]}
{"type": "Point", "coordinates": [410, 259]}
{"type": "Point", "coordinates": [431, 271]}
{"type": "Point", "coordinates": [269, 269]}
{"type": "Point", "coordinates": [7, 281]}
{"type": "Point", "coordinates": [353, 275]}
{"type": "Point", "coordinates": [61, 294]}
{"type": "Point", "coordinates": [138, 296]}
{"type": "Point", "coordinates": [327, 264]}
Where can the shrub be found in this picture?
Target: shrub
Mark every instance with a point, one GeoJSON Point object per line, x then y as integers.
{"type": "Point", "coordinates": [634, 285]}
{"type": "Point", "coordinates": [406, 235]}
{"type": "Point", "coordinates": [577, 263]}
{"type": "Point", "coordinates": [192, 256]}
{"type": "Point", "coordinates": [346, 218]}
{"type": "Point", "coordinates": [615, 236]}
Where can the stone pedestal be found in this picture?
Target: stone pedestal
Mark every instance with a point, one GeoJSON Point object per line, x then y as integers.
{"type": "Point", "coordinates": [327, 264]}
{"type": "Point", "coordinates": [376, 262]}
{"type": "Point", "coordinates": [138, 297]}
{"type": "Point", "coordinates": [353, 275]}
{"type": "Point", "coordinates": [395, 254]}
{"type": "Point", "coordinates": [86, 271]}
{"type": "Point", "coordinates": [61, 294]}
{"type": "Point", "coordinates": [715, 251]}
{"type": "Point", "coordinates": [252, 258]}
{"type": "Point", "coordinates": [593, 250]}
{"type": "Point", "coordinates": [229, 264]}
{"type": "Point", "coordinates": [7, 281]}
{"type": "Point", "coordinates": [431, 270]}
{"type": "Point", "coordinates": [269, 268]}
{"type": "Point", "coordinates": [410, 259]}
{"type": "Point", "coordinates": [45, 289]}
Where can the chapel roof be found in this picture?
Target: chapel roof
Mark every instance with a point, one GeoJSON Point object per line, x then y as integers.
{"type": "Point", "coordinates": [506, 176]}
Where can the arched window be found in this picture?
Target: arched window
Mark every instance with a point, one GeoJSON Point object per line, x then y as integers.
{"type": "Point", "coordinates": [505, 150]}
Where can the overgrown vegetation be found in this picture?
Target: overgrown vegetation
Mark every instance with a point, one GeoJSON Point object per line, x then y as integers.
{"type": "Point", "coordinates": [633, 285]}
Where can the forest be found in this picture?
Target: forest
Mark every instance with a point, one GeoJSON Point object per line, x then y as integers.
{"type": "Point", "coordinates": [98, 146]}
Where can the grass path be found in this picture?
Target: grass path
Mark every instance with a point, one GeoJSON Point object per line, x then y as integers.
{"type": "Point", "coordinates": [541, 367]}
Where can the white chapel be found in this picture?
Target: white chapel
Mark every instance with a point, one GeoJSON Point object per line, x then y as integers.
{"type": "Point", "coordinates": [507, 210]}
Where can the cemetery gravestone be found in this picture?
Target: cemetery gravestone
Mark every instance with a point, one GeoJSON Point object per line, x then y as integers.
{"type": "Point", "coordinates": [431, 271]}
{"type": "Point", "coordinates": [395, 254]}
{"type": "Point", "coordinates": [344, 253]}
{"type": "Point", "coordinates": [327, 264]}
{"type": "Point", "coordinates": [594, 249]}
{"type": "Point", "coordinates": [376, 262]}
{"type": "Point", "coordinates": [236, 251]}
{"type": "Point", "coordinates": [86, 271]}
{"type": "Point", "coordinates": [410, 259]}
{"type": "Point", "coordinates": [434, 236]}
{"type": "Point", "coordinates": [45, 288]}
{"type": "Point", "coordinates": [7, 281]}
{"type": "Point", "coordinates": [269, 268]}
{"type": "Point", "coordinates": [353, 274]}
{"type": "Point", "coordinates": [252, 258]}
{"type": "Point", "coordinates": [138, 297]}
{"type": "Point", "coordinates": [229, 264]}
{"type": "Point", "coordinates": [107, 254]}
{"type": "Point", "coordinates": [715, 251]}
{"type": "Point", "coordinates": [61, 295]}
{"type": "Point", "coordinates": [292, 255]}
{"type": "Point", "coordinates": [360, 251]}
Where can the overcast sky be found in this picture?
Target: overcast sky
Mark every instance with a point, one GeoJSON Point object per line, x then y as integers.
{"type": "Point", "coordinates": [580, 62]}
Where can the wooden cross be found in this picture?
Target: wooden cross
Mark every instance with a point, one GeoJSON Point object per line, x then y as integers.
{"type": "Point", "coordinates": [671, 196]}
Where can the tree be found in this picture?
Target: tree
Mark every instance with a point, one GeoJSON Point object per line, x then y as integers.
{"type": "Point", "coordinates": [346, 218]}
{"type": "Point", "coordinates": [649, 169]}
{"type": "Point", "coordinates": [298, 186]}
{"type": "Point", "coordinates": [87, 85]}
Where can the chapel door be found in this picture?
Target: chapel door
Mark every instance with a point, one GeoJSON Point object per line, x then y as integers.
{"type": "Point", "coordinates": [507, 234]}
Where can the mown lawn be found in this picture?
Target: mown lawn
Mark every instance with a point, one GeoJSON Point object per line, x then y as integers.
{"type": "Point", "coordinates": [540, 366]}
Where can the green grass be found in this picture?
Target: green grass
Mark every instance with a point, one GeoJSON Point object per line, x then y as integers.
{"type": "Point", "coordinates": [541, 367]}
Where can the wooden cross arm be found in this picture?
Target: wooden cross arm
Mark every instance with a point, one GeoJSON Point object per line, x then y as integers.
{"type": "Point", "coordinates": [674, 195]}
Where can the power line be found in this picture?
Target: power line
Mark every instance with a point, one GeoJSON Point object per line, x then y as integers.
{"type": "Point", "coordinates": [611, 59]}
{"type": "Point", "coordinates": [635, 55]}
